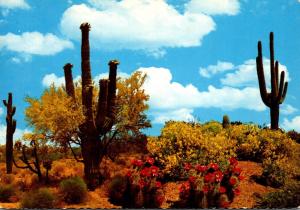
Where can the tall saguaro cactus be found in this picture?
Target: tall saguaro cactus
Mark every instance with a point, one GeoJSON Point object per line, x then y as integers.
{"type": "Point", "coordinates": [278, 88]}
{"type": "Point", "coordinates": [94, 130]}
{"type": "Point", "coordinates": [10, 130]}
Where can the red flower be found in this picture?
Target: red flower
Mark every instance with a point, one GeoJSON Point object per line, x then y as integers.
{"type": "Point", "coordinates": [205, 189]}
{"type": "Point", "coordinates": [200, 168]}
{"type": "Point", "coordinates": [192, 179]}
{"type": "Point", "coordinates": [222, 189]}
{"type": "Point", "coordinates": [232, 181]}
{"type": "Point", "coordinates": [237, 170]}
{"type": "Point", "coordinates": [145, 172]}
{"type": "Point", "coordinates": [142, 183]}
{"type": "Point", "coordinates": [158, 184]}
{"type": "Point", "coordinates": [150, 160]}
{"type": "Point", "coordinates": [129, 173]}
{"type": "Point", "coordinates": [187, 166]}
{"type": "Point", "coordinates": [214, 166]}
{"type": "Point", "coordinates": [233, 161]}
{"type": "Point", "coordinates": [137, 163]}
{"type": "Point", "coordinates": [209, 177]}
{"type": "Point", "coordinates": [154, 170]}
{"type": "Point", "coordinates": [218, 176]}
{"type": "Point", "coordinates": [237, 191]}
{"type": "Point", "coordinates": [185, 187]}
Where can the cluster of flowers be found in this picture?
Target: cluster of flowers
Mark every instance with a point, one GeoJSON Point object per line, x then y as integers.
{"type": "Point", "coordinates": [215, 187]}
{"type": "Point", "coordinates": [143, 177]}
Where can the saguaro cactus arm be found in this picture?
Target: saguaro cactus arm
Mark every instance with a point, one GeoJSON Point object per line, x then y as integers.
{"type": "Point", "coordinates": [69, 80]}
{"type": "Point", "coordinates": [261, 77]}
{"type": "Point", "coordinates": [102, 104]}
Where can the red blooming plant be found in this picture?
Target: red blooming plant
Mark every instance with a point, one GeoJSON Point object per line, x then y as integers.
{"type": "Point", "coordinates": [143, 189]}
{"type": "Point", "coordinates": [210, 186]}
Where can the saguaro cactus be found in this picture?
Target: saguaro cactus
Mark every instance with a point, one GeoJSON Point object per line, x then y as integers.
{"type": "Point", "coordinates": [93, 132]}
{"type": "Point", "coordinates": [10, 130]}
{"type": "Point", "coordinates": [278, 90]}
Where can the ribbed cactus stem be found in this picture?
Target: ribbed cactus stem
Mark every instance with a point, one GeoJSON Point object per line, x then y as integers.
{"type": "Point", "coordinates": [278, 88]}
{"type": "Point", "coordinates": [112, 86]}
{"type": "Point", "coordinates": [102, 104]}
{"type": "Point", "coordinates": [69, 80]}
{"type": "Point", "coordinates": [10, 130]}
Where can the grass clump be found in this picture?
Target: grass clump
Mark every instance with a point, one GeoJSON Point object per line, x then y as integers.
{"type": "Point", "coordinates": [6, 191]}
{"type": "Point", "coordinates": [74, 190]}
{"type": "Point", "coordinates": [289, 197]}
{"type": "Point", "coordinates": [41, 198]}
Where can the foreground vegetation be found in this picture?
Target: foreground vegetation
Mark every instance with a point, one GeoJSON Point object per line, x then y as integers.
{"type": "Point", "coordinates": [202, 159]}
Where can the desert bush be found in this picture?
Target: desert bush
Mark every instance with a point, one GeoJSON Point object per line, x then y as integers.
{"type": "Point", "coordinates": [212, 128]}
{"type": "Point", "coordinates": [273, 175]}
{"type": "Point", "coordinates": [74, 190]}
{"type": "Point", "coordinates": [6, 192]}
{"type": "Point", "coordinates": [140, 188]}
{"type": "Point", "coordinates": [41, 198]}
{"type": "Point", "coordinates": [210, 185]}
{"type": "Point", "coordinates": [117, 188]}
{"type": "Point", "coordinates": [294, 135]}
{"type": "Point", "coordinates": [289, 197]}
{"type": "Point", "coordinates": [182, 142]}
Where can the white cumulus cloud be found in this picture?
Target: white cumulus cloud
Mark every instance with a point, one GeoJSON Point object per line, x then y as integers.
{"type": "Point", "coordinates": [293, 124]}
{"type": "Point", "coordinates": [50, 79]}
{"type": "Point", "coordinates": [34, 43]}
{"type": "Point", "coordinates": [246, 74]}
{"type": "Point", "coordinates": [288, 109]}
{"type": "Point", "coordinates": [178, 115]}
{"type": "Point", "coordinates": [1, 111]}
{"type": "Point", "coordinates": [149, 25]}
{"type": "Point", "coordinates": [169, 98]}
{"type": "Point", "coordinates": [220, 67]}
{"type": "Point", "coordinates": [14, 4]}
{"type": "Point", "coordinates": [214, 7]}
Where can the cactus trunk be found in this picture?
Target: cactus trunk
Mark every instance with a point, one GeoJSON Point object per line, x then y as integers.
{"type": "Point", "coordinates": [10, 130]}
{"type": "Point", "coordinates": [274, 111]}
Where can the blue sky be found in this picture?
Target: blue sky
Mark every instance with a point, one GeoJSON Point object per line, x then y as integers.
{"type": "Point", "coordinates": [199, 55]}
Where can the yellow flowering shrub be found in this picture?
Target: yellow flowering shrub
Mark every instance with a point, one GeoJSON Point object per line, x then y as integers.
{"type": "Point", "coordinates": [182, 142]}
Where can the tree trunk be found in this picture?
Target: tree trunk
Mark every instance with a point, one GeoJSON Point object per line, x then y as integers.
{"type": "Point", "coordinates": [274, 110]}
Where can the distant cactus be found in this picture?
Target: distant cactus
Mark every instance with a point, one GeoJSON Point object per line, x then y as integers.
{"type": "Point", "coordinates": [10, 130]}
{"type": "Point", "coordinates": [278, 90]}
{"type": "Point", "coordinates": [225, 122]}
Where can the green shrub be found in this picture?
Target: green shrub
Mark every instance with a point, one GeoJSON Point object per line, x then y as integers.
{"type": "Point", "coordinates": [117, 188]}
{"type": "Point", "coordinates": [289, 197]}
{"type": "Point", "coordinates": [273, 175]}
{"type": "Point", "coordinates": [74, 190]}
{"type": "Point", "coordinates": [41, 198]}
{"type": "Point", "coordinates": [6, 191]}
{"type": "Point", "coordinates": [212, 128]}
